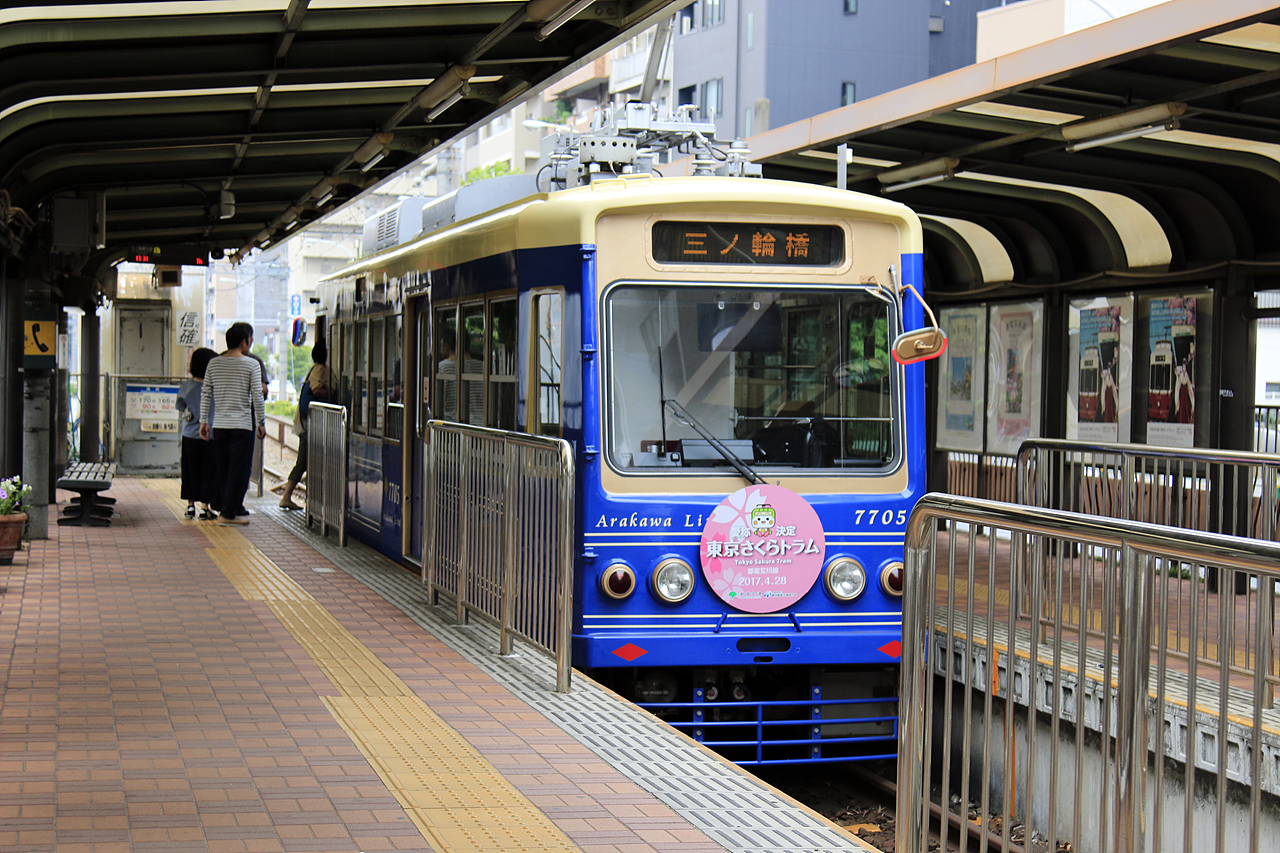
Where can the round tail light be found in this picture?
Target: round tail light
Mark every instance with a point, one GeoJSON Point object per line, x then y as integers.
{"type": "Point", "coordinates": [618, 581]}
{"type": "Point", "coordinates": [891, 578]}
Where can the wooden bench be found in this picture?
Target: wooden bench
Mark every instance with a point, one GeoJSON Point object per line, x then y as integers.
{"type": "Point", "coordinates": [88, 480]}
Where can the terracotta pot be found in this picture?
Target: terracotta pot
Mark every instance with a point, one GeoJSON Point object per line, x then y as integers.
{"type": "Point", "coordinates": [11, 536]}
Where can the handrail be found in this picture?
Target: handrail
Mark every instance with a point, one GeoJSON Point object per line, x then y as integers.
{"type": "Point", "coordinates": [326, 439]}
{"type": "Point", "coordinates": [1119, 580]}
{"type": "Point", "coordinates": [498, 533]}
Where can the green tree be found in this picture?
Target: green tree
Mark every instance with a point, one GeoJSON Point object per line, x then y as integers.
{"type": "Point", "coordinates": [299, 364]}
{"type": "Point", "coordinates": [502, 167]}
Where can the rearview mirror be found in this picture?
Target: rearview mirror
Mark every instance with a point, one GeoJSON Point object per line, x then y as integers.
{"type": "Point", "coordinates": [920, 345]}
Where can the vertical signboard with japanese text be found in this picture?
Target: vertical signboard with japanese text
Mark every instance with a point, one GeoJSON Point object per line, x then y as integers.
{"type": "Point", "coordinates": [1013, 376]}
{"type": "Point", "coordinates": [962, 379]}
{"type": "Point", "coordinates": [1099, 375]}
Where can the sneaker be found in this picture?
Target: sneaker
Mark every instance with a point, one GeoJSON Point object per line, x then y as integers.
{"type": "Point", "coordinates": [225, 522]}
{"type": "Point", "coordinates": [191, 512]}
{"type": "Point", "coordinates": [289, 505]}
{"type": "Point", "coordinates": [208, 515]}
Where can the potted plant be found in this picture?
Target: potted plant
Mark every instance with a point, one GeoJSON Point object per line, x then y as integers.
{"type": "Point", "coordinates": [12, 519]}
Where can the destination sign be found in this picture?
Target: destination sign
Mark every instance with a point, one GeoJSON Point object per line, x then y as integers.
{"type": "Point", "coordinates": [747, 243]}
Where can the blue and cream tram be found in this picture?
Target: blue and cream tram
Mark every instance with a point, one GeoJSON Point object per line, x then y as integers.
{"type": "Point", "coordinates": [723, 354]}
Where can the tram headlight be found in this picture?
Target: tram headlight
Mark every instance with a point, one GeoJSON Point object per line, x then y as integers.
{"type": "Point", "coordinates": [845, 579]}
{"type": "Point", "coordinates": [891, 579]}
{"type": "Point", "coordinates": [673, 580]}
{"type": "Point", "coordinates": [618, 581]}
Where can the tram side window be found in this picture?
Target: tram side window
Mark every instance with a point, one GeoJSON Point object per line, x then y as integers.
{"type": "Point", "coordinates": [377, 388]}
{"type": "Point", "coordinates": [360, 367]}
{"type": "Point", "coordinates": [395, 355]}
{"type": "Point", "coordinates": [548, 352]}
{"type": "Point", "coordinates": [393, 428]}
{"type": "Point", "coordinates": [348, 342]}
{"type": "Point", "coordinates": [503, 314]}
{"type": "Point", "coordinates": [473, 372]}
{"type": "Point", "coordinates": [446, 398]}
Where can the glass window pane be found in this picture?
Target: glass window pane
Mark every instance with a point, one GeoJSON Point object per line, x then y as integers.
{"type": "Point", "coordinates": [503, 314]}
{"type": "Point", "coordinates": [446, 400]}
{"type": "Point", "coordinates": [360, 365]}
{"type": "Point", "coordinates": [377, 388]}
{"type": "Point", "coordinates": [548, 352]}
{"type": "Point", "coordinates": [473, 351]}
{"type": "Point", "coordinates": [784, 378]}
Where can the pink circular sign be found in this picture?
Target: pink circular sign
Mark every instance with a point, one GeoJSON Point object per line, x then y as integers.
{"type": "Point", "coordinates": [762, 549]}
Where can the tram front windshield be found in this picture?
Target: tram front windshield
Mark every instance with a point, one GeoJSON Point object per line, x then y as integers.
{"type": "Point", "coordinates": [778, 379]}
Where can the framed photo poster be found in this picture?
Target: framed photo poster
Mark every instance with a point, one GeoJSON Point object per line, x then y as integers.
{"type": "Point", "coordinates": [1013, 376]}
{"type": "Point", "coordinates": [962, 377]}
{"type": "Point", "coordinates": [1171, 396]}
{"type": "Point", "coordinates": [1100, 369]}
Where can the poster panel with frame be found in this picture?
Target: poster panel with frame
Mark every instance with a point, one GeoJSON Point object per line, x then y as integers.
{"type": "Point", "coordinates": [1172, 390]}
{"type": "Point", "coordinates": [962, 378]}
{"type": "Point", "coordinates": [1100, 369]}
{"type": "Point", "coordinates": [1013, 375]}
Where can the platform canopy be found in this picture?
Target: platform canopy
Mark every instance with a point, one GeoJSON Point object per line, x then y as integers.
{"type": "Point", "coordinates": [1147, 147]}
{"type": "Point", "coordinates": [231, 123]}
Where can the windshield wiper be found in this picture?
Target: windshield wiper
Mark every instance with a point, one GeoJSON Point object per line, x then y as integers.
{"type": "Point", "coordinates": [730, 457]}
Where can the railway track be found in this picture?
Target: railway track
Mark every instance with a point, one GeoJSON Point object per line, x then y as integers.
{"type": "Point", "coordinates": [863, 800]}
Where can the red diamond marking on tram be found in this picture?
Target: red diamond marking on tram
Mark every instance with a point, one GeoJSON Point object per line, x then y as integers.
{"type": "Point", "coordinates": [893, 650]}
{"type": "Point", "coordinates": [630, 652]}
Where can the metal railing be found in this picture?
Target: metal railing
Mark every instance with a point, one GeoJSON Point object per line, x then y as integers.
{"type": "Point", "coordinates": [1009, 710]}
{"type": "Point", "coordinates": [326, 439]}
{"type": "Point", "coordinates": [1218, 491]}
{"type": "Point", "coordinates": [499, 533]}
{"type": "Point", "coordinates": [978, 475]}
{"type": "Point", "coordinates": [1266, 429]}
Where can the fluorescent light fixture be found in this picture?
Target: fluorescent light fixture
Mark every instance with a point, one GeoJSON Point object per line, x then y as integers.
{"type": "Point", "coordinates": [262, 236]}
{"type": "Point", "coordinates": [448, 102]}
{"type": "Point", "coordinates": [918, 174]}
{"type": "Point", "coordinates": [324, 188]}
{"type": "Point", "coordinates": [454, 78]}
{"type": "Point", "coordinates": [374, 160]}
{"type": "Point", "coordinates": [1155, 115]}
{"type": "Point", "coordinates": [918, 182]}
{"type": "Point", "coordinates": [320, 202]}
{"type": "Point", "coordinates": [372, 145]}
{"type": "Point", "coordinates": [1121, 136]}
{"type": "Point", "coordinates": [563, 17]}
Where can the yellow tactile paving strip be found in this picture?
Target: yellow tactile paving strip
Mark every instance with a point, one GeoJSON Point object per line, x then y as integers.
{"type": "Point", "coordinates": [458, 800]}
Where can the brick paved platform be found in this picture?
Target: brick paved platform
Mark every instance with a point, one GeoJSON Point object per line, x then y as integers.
{"type": "Point", "coordinates": [151, 702]}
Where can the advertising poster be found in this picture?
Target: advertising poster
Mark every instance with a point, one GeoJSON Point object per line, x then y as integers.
{"type": "Point", "coordinates": [1013, 385]}
{"type": "Point", "coordinates": [1171, 389]}
{"type": "Point", "coordinates": [1100, 380]}
{"type": "Point", "coordinates": [962, 378]}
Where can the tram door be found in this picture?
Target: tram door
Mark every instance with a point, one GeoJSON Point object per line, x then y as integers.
{"type": "Point", "coordinates": [420, 398]}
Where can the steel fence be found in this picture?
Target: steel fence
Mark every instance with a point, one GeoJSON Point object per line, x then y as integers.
{"type": "Point", "coordinates": [979, 475]}
{"type": "Point", "coordinates": [1218, 491]}
{"type": "Point", "coordinates": [1058, 739]}
{"type": "Point", "coordinates": [326, 439]}
{"type": "Point", "coordinates": [499, 533]}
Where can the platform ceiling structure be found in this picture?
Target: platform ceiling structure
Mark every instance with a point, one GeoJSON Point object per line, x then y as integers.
{"type": "Point", "coordinates": [1143, 149]}
{"type": "Point", "coordinates": [171, 113]}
